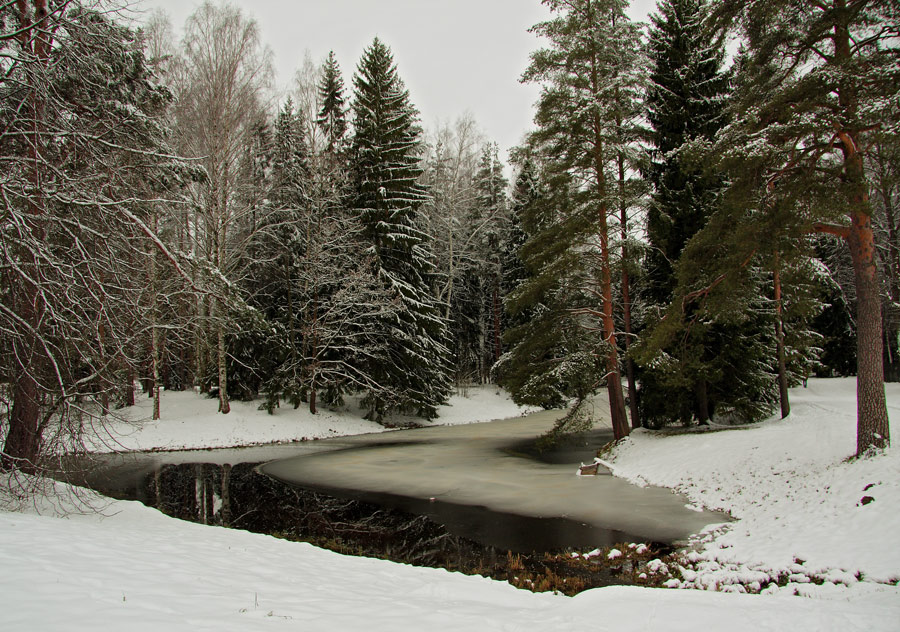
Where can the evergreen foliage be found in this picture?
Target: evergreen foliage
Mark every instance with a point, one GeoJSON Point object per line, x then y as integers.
{"type": "Point", "coordinates": [332, 118]}
{"type": "Point", "coordinates": [555, 354]}
{"type": "Point", "coordinates": [685, 101]}
{"type": "Point", "coordinates": [410, 360]}
{"type": "Point", "coordinates": [590, 72]}
{"type": "Point", "coordinates": [707, 365]}
{"type": "Point", "coordinates": [478, 314]}
{"type": "Point", "coordinates": [818, 84]}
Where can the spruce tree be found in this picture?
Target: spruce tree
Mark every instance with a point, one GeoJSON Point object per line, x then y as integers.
{"type": "Point", "coordinates": [552, 356]}
{"type": "Point", "coordinates": [525, 191]}
{"type": "Point", "coordinates": [487, 224]}
{"type": "Point", "coordinates": [686, 102]}
{"type": "Point", "coordinates": [332, 118]}
{"type": "Point", "coordinates": [272, 355]}
{"type": "Point", "coordinates": [410, 360]}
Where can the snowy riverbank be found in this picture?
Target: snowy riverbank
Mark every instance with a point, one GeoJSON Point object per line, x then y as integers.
{"type": "Point", "coordinates": [192, 421]}
{"type": "Point", "coordinates": [786, 481]}
{"type": "Point", "coordinates": [809, 518]}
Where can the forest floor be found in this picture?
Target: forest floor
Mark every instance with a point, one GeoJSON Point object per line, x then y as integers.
{"type": "Point", "coordinates": [815, 535]}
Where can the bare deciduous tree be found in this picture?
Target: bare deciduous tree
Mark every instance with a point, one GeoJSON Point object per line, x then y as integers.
{"type": "Point", "coordinates": [223, 75]}
{"type": "Point", "coordinates": [74, 229]}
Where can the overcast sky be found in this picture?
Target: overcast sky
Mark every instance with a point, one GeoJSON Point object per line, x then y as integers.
{"type": "Point", "coordinates": [454, 55]}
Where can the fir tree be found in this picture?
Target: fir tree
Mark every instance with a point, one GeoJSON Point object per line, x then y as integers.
{"type": "Point", "coordinates": [410, 362]}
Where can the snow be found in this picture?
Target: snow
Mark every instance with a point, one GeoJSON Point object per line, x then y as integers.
{"type": "Point", "coordinates": [796, 498]}
{"type": "Point", "coordinates": [191, 421]}
{"type": "Point", "coordinates": [796, 493]}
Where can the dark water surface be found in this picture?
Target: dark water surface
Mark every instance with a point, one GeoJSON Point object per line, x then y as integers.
{"type": "Point", "coordinates": [480, 499]}
{"type": "Point", "coordinates": [497, 466]}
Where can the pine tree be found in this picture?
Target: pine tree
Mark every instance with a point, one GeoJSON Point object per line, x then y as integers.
{"type": "Point", "coordinates": [552, 356]}
{"type": "Point", "coordinates": [589, 71]}
{"type": "Point", "coordinates": [818, 83]}
{"type": "Point", "coordinates": [410, 362]}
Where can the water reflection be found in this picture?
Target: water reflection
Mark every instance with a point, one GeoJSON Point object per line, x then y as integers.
{"type": "Point", "coordinates": [467, 539]}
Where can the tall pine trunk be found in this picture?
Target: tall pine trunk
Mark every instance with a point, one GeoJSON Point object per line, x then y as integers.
{"type": "Point", "coordinates": [872, 425]}
{"type": "Point", "coordinates": [613, 377]}
{"type": "Point", "coordinates": [872, 417]}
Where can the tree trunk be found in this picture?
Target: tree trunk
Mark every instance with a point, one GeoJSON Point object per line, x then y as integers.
{"type": "Point", "coordinates": [779, 343]}
{"type": "Point", "coordinates": [702, 402]}
{"type": "Point", "coordinates": [872, 418]}
{"type": "Point", "coordinates": [495, 312]}
{"type": "Point", "coordinates": [129, 384]}
{"type": "Point", "coordinates": [872, 429]}
{"type": "Point", "coordinates": [23, 441]}
{"type": "Point", "coordinates": [312, 396]}
{"type": "Point", "coordinates": [154, 332]}
{"type": "Point", "coordinates": [225, 516]}
{"type": "Point", "coordinates": [891, 316]}
{"type": "Point", "coordinates": [224, 404]}
{"type": "Point", "coordinates": [221, 234]}
{"type": "Point", "coordinates": [102, 383]}
{"type": "Point", "coordinates": [626, 297]}
{"type": "Point", "coordinates": [613, 378]}
{"type": "Point", "coordinates": [22, 447]}
{"type": "Point", "coordinates": [154, 362]}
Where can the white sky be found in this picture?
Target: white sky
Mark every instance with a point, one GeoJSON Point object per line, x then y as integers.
{"type": "Point", "coordinates": [455, 56]}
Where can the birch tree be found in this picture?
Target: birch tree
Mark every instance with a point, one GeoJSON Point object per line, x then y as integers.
{"type": "Point", "coordinates": [224, 73]}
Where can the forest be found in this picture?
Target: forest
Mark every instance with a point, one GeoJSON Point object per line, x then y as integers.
{"type": "Point", "coordinates": [704, 215]}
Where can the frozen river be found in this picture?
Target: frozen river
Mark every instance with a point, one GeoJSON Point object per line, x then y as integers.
{"type": "Point", "coordinates": [483, 466]}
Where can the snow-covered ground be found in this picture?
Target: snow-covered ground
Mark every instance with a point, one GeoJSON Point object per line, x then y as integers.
{"type": "Point", "coordinates": [787, 482]}
{"type": "Point", "coordinates": [191, 421]}
{"type": "Point", "coordinates": [807, 515]}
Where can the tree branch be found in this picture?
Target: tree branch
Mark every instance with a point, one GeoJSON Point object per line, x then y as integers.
{"type": "Point", "coordinates": [832, 229]}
